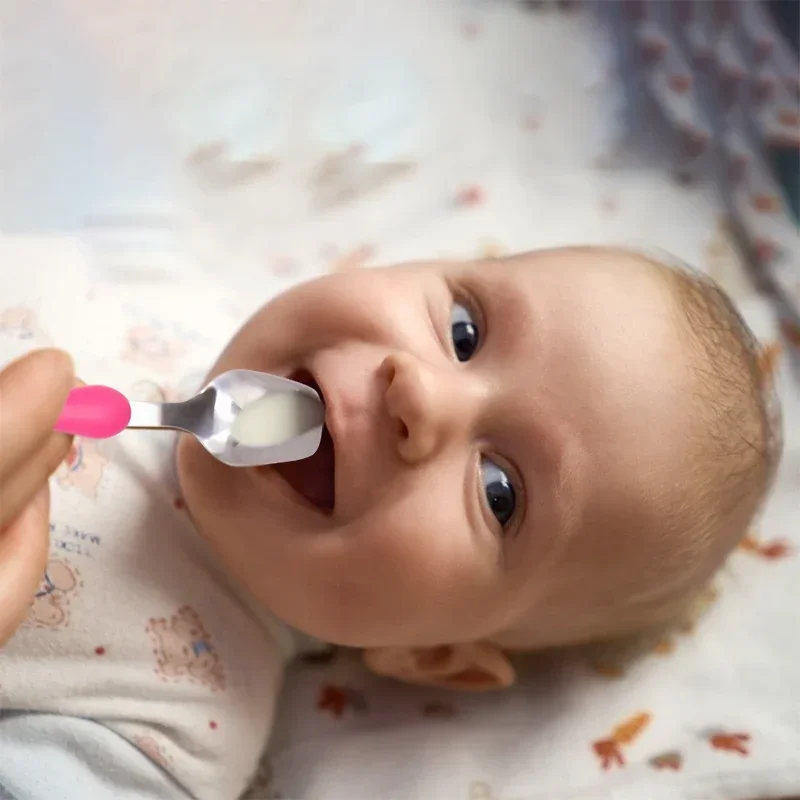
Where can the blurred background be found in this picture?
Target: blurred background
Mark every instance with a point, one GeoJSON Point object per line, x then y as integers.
{"type": "Point", "coordinates": [264, 141]}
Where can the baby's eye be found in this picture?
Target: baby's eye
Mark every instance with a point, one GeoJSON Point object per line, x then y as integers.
{"type": "Point", "coordinates": [500, 495]}
{"type": "Point", "coordinates": [464, 332]}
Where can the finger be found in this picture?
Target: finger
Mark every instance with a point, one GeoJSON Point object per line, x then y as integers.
{"type": "Point", "coordinates": [22, 485]}
{"type": "Point", "coordinates": [33, 391]}
{"type": "Point", "coordinates": [23, 558]}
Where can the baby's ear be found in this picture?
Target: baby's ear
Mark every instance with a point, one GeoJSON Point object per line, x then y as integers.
{"type": "Point", "coordinates": [472, 667]}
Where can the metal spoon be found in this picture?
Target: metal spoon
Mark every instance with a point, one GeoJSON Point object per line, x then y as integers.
{"type": "Point", "coordinates": [99, 412]}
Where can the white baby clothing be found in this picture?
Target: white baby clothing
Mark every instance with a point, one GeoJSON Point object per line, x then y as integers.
{"type": "Point", "coordinates": [137, 649]}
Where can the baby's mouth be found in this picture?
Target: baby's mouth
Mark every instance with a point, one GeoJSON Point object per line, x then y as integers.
{"type": "Point", "coordinates": [313, 477]}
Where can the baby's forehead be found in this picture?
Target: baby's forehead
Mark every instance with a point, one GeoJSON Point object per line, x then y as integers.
{"type": "Point", "coordinates": [614, 267]}
{"type": "Point", "coordinates": [602, 285]}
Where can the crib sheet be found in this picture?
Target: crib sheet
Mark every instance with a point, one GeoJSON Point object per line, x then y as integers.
{"type": "Point", "coordinates": [455, 129]}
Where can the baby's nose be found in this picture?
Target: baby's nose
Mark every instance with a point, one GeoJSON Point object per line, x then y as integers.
{"type": "Point", "coordinates": [426, 405]}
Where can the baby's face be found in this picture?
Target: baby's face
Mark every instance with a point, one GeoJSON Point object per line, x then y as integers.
{"type": "Point", "coordinates": [504, 435]}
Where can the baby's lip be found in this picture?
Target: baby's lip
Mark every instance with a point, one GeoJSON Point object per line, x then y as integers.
{"type": "Point", "coordinates": [327, 396]}
{"type": "Point", "coordinates": [328, 393]}
{"type": "Point", "coordinates": [313, 479]}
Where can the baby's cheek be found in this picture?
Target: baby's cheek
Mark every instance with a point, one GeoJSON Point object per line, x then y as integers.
{"type": "Point", "coordinates": [416, 542]}
{"type": "Point", "coordinates": [414, 569]}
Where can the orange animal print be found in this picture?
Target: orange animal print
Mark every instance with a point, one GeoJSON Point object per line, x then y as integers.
{"type": "Point", "coordinates": [609, 750]}
{"type": "Point", "coordinates": [184, 651]}
{"type": "Point", "coordinates": [607, 669]}
{"type": "Point", "coordinates": [153, 349]}
{"type": "Point", "coordinates": [773, 550]}
{"type": "Point", "coordinates": [731, 742]}
{"type": "Point", "coordinates": [338, 699]}
{"type": "Point", "coordinates": [664, 647]}
{"type": "Point", "coordinates": [50, 606]}
{"type": "Point", "coordinates": [672, 761]}
{"type": "Point", "coordinates": [82, 469]}
{"type": "Point", "coordinates": [768, 361]}
{"type": "Point", "coordinates": [332, 698]}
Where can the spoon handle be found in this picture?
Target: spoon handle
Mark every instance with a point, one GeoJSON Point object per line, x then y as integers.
{"type": "Point", "coordinates": [195, 415]}
{"type": "Point", "coordinates": [147, 416]}
{"type": "Point", "coordinates": [96, 412]}
{"type": "Point", "coordinates": [100, 412]}
{"type": "Point", "coordinates": [153, 416]}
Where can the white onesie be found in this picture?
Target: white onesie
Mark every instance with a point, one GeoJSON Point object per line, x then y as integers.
{"type": "Point", "coordinates": [136, 639]}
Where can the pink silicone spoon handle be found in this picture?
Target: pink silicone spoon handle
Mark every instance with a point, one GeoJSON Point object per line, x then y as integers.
{"type": "Point", "coordinates": [96, 412]}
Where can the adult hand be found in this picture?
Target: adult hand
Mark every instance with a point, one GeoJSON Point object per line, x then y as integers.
{"type": "Point", "coordinates": [33, 391]}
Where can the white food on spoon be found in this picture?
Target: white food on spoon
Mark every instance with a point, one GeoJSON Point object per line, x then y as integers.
{"type": "Point", "coordinates": [275, 418]}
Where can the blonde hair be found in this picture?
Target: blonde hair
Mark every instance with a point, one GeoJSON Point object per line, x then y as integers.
{"type": "Point", "coordinates": [742, 424]}
{"type": "Point", "coordinates": [738, 445]}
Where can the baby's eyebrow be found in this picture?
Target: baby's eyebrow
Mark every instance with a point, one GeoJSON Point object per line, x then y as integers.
{"type": "Point", "coordinates": [505, 308]}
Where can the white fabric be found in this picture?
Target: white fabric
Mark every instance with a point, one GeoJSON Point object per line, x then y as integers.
{"type": "Point", "coordinates": [83, 758]}
{"type": "Point", "coordinates": [135, 627]}
{"type": "Point", "coordinates": [512, 104]}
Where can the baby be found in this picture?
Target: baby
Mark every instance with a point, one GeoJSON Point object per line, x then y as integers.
{"type": "Point", "coordinates": [550, 449]}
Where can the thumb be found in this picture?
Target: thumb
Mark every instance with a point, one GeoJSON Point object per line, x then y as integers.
{"type": "Point", "coordinates": [24, 545]}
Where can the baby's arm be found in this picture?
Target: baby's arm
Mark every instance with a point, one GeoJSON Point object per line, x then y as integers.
{"type": "Point", "coordinates": [46, 755]}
